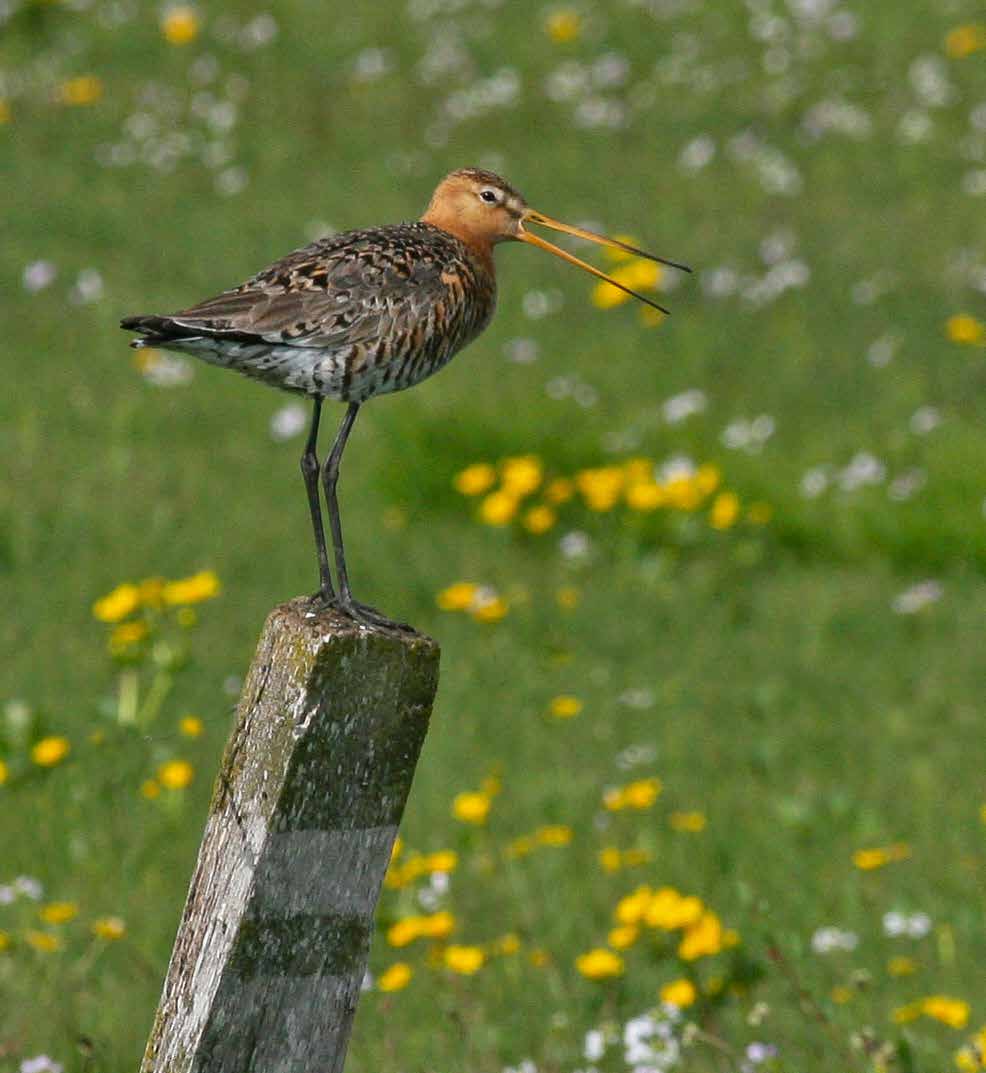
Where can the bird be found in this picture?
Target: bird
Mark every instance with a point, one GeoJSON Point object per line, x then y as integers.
{"type": "Point", "coordinates": [365, 313]}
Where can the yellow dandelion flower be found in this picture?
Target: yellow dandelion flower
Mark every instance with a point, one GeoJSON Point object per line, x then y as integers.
{"type": "Point", "coordinates": [80, 91]}
{"type": "Point", "coordinates": [471, 807]}
{"type": "Point", "coordinates": [109, 928]}
{"type": "Point", "coordinates": [599, 964]}
{"type": "Point", "coordinates": [490, 609]}
{"type": "Point", "coordinates": [396, 978]}
{"type": "Point", "coordinates": [707, 478]}
{"type": "Point", "coordinates": [623, 937]}
{"type": "Point", "coordinates": [643, 793]}
{"type": "Point", "coordinates": [539, 519]}
{"type": "Point", "coordinates": [840, 995]}
{"type": "Point", "coordinates": [43, 941]}
{"type": "Point", "coordinates": [58, 912]}
{"type": "Point", "coordinates": [4, 772]}
{"type": "Point", "coordinates": [444, 860]}
{"type": "Point", "coordinates": [636, 795]}
{"type": "Point", "coordinates": [630, 909]}
{"type": "Point", "coordinates": [703, 938]}
{"type": "Point", "coordinates": [868, 859]}
{"type": "Point", "coordinates": [645, 496]}
{"type": "Point", "coordinates": [637, 274]}
{"type": "Point", "coordinates": [964, 328]}
{"type": "Point", "coordinates": [475, 479]}
{"type": "Point", "coordinates": [191, 590]}
{"type": "Point", "coordinates": [563, 25]}
{"type": "Point", "coordinates": [680, 993]}
{"type": "Point", "coordinates": [901, 966]}
{"type": "Point", "coordinates": [180, 25]}
{"type": "Point", "coordinates": [965, 40]}
{"type": "Point", "coordinates": [117, 605]}
{"type": "Point", "coordinates": [457, 597]}
{"type": "Point", "coordinates": [683, 493]}
{"type": "Point", "coordinates": [725, 510]}
{"type": "Point", "coordinates": [127, 634]}
{"type": "Point", "coordinates": [560, 490]}
{"type": "Point", "coordinates": [5, 941]}
{"type": "Point", "coordinates": [521, 475]}
{"type": "Point", "coordinates": [555, 834]}
{"type": "Point", "coordinates": [953, 1012]}
{"type": "Point", "coordinates": [464, 960]}
{"type": "Point", "coordinates": [600, 486]}
{"type": "Point", "coordinates": [150, 788]}
{"type": "Point", "coordinates": [670, 910]}
{"type": "Point", "coordinates": [539, 958]}
{"type": "Point", "coordinates": [692, 822]}
{"type": "Point", "coordinates": [565, 706]}
{"type": "Point", "coordinates": [437, 926]}
{"type": "Point", "coordinates": [610, 859]}
{"type": "Point", "coordinates": [404, 931]}
{"type": "Point", "coordinates": [175, 774]}
{"type": "Point", "coordinates": [903, 1015]}
{"type": "Point", "coordinates": [498, 508]}
{"type": "Point", "coordinates": [190, 726]}
{"type": "Point", "coordinates": [50, 751]}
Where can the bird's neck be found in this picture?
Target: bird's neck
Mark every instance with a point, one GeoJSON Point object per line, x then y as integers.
{"type": "Point", "coordinates": [478, 244]}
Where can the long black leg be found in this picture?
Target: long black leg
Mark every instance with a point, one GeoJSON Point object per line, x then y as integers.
{"type": "Point", "coordinates": [330, 478]}
{"type": "Point", "coordinates": [309, 470]}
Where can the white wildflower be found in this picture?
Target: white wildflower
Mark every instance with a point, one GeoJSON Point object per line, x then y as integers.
{"type": "Point", "coordinates": [917, 597]}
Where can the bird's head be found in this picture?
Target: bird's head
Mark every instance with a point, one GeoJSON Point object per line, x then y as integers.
{"type": "Point", "coordinates": [482, 209]}
{"type": "Point", "coordinates": [477, 206]}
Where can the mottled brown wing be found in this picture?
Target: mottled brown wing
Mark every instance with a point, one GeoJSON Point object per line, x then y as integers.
{"type": "Point", "coordinates": [335, 292]}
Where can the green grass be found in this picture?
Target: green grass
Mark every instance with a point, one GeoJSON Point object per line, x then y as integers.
{"type": "Point", "coordinates": [785, 699]}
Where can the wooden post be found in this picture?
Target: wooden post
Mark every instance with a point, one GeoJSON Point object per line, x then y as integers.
{"type": "Point", "coordinates": [272, 947]}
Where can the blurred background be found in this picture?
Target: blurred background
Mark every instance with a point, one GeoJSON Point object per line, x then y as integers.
{"type": "Point", "coordinates": [704, 785]}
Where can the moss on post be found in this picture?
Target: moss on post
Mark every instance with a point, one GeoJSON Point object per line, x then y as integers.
{"type": "Point", "coordinates": [272, 946]}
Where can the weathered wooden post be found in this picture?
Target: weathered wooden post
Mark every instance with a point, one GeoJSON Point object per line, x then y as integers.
{"type": "Point", "coordinates": [272, 947]}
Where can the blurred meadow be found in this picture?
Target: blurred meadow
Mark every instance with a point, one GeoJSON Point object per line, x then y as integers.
{"type": "Point", "coordinates": [704, 787]}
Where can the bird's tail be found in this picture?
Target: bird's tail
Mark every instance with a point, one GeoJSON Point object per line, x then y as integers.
{"type": "Point", "coordinates": [156, 330]}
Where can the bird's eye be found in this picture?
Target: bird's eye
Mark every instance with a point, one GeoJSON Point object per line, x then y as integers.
{"type": "Point", "coordinates": [489, 196]}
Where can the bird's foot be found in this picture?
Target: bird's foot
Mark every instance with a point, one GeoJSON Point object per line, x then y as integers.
{"type": "Point", "coordinates": [370, 616]}
{"type": "Point", "coordinates": [353, 609]}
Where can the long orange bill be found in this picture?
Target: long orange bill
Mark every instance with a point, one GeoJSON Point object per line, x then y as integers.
{"type": "Point", "coordinates": [602, 240]}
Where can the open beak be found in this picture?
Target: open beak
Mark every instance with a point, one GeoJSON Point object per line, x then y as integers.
{"type": "Point", "coordinates": [530, 216]}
